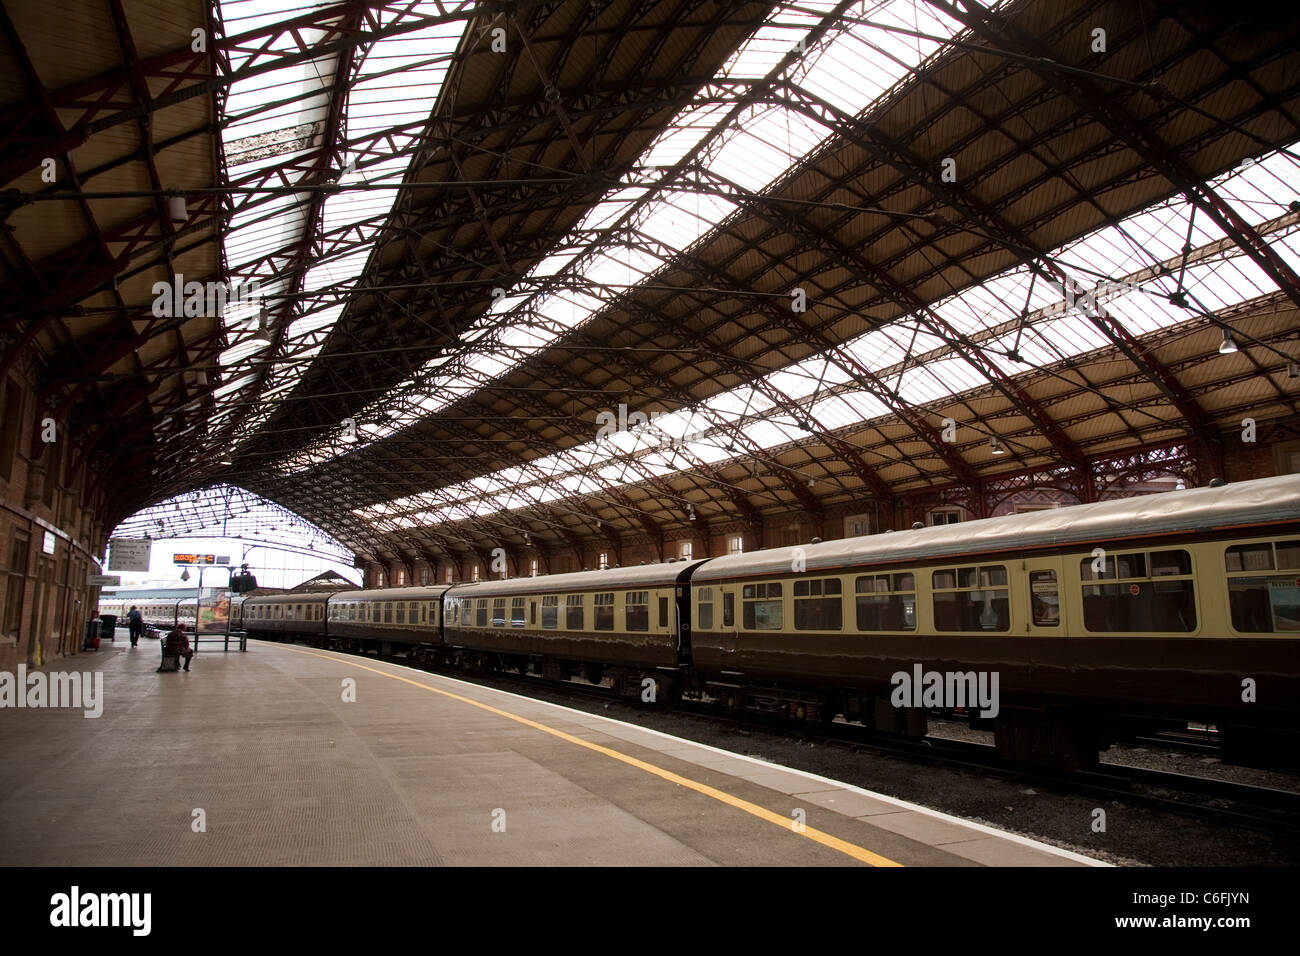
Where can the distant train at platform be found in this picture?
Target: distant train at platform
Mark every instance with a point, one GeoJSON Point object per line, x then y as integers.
{"type": "Point", "coordinates": [1099, 621]}
{"type": "Point", "coordinates": [167, 613]}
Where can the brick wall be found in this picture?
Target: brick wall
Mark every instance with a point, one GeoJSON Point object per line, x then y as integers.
{"type": "Point", "coordinates": [49, 531]}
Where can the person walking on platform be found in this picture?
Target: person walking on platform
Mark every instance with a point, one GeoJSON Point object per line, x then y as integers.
{"type": "Point", "coordinates": [135, 624]}
{"type": "Point", "coordinates": [177, 643]}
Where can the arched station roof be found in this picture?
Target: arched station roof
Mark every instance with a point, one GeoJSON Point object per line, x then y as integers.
{"type": "Point", "coordinates": [834, 253]}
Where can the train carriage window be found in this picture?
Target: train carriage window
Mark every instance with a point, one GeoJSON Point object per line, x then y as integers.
{"type": "Point", "coordinates": [388, 612]}
{"type": "Point", "coordinates": [1288, 555]}
{"type": "Point", "coordinates": [551, 611]}
{"type": "Point", "coordinates": [636, 607]}
{"type": "Point", "coordinates": [818, 605]}
{"type": "Point", "coordinates": [663, 612]}
{"type": "Point", "coordinates": [499, 612]}
{"type": "Point", "coordinates": [516, 612]}
{"type": "Point", "coordinates": [972, 599]}
{"type": "Point", "coordinates": [1170, 563]}
{"type": "Point", "coordinates": [532, 611]}
{"type": "Point", "coordinates": [297, 614]}
{"type": "Point", "coordinates": [728, 609]}
{"type": "Point", "coordinates": [481, 613]}
{"type": "Point", "coordinates": [704, 598]}
{"type": "Point", "coordinates": [1250, 557]}
{"type": "Point", "coordinates": [603, 616]}
{"type": "Point", "coordinates": [886, 602]}
{"type": "Point", "coordinates": [1044, 598]}
{"type": "Point", "coordinates": [762, 607]}
{"type": "Point", "coordinates": [573, 612]}
{"type": "Point", "coordinates": [1261, 600]}
{"type": "Point", "coordinates": [1138, 600]}
{"type": "Point", "coordinates": [399, 613]}
{"type": "Point", "coordinates": [424, 612]}
{"type": "Point", "coordinates": [352, 611]}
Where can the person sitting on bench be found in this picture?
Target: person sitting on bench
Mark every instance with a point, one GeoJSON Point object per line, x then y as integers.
{"type": "Point", "coordinates": [177, 643]}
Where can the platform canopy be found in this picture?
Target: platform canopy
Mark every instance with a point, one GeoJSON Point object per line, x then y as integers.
{"type": "Point", "coordinates": [499, 273]}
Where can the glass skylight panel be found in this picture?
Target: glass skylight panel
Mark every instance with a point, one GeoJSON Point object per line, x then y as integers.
{"type": "Point", "coordinates": [847, 409]}
{"type": "Point", "coordinates": [276, 118]}
{"type": "Point", "coordinates": [752, 150]}
{"type": "Point", "coordinates": [1049, 335]}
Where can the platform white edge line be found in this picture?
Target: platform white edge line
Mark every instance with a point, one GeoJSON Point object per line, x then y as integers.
{"type": "Point", "coordinates": [840, 784]}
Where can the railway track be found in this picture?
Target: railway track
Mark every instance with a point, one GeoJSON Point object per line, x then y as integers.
{"type": "Point", "coordinates": [1262, 809]}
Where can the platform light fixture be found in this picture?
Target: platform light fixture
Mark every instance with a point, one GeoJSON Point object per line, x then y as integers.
{"type": "Point", "coordinates": [263, 327]}
{"type": "Point", "coordinates": [1293, 370]}
{"type": "Point", "coordinates": [1227, 346]}
{"type": "Point", "coordinates": [176, 209]}
{"type": "Point", "coordinates": [995, 445]}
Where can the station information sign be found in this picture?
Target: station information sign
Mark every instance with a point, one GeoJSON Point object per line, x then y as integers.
{"type": "Point", "coordinates": [203, 559]}
{"type": "Point", "coordinates": [129, 554]}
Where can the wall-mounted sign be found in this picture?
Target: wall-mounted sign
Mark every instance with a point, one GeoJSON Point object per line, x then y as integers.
{"type": "Point", "coordinates": [103, 580]}
{"type": "Point", "coordinates": [129, 554]}
{"type": "Point", "coordinates": [47, 542]}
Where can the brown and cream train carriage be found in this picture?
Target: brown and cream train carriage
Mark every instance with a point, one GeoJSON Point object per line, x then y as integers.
{"type": "Point", "coordinates": [1184, 605]}
{"type": "Point", "coordinates": [626, 623]}
{"type": "Point", "coordinates": [386, 618]}
{"type": "Point", "coordinates": [286, 616]}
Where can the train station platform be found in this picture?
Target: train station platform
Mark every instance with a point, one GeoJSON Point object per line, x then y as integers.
{"type": "Point", "coordinates": [288, 756]}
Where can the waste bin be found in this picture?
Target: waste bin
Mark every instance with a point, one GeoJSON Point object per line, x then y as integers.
{"type": "Point", "coordinates": [107, 622]}
{"type": "Point", "coordinates": [91, 641]}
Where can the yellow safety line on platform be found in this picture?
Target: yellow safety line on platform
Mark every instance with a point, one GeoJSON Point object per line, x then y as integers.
{"type": "Point", "coordinates": [785, 823]}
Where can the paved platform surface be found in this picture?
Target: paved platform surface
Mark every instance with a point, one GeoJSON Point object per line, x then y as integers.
{"type": "Point", "coordinates": [258, 759]}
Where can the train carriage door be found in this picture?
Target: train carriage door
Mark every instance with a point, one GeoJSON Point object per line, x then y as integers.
{"type": "Point", "coordinates": [681, 621]}
{"type": "Point", "coordinates": [1041, 603]}
{"type": "Point", "coordinates": [1042, 607]}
